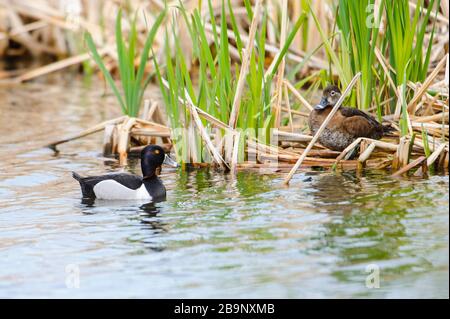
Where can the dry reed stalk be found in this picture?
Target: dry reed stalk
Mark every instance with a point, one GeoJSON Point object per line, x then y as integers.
{"type": "Point", "coordinates": [55, 66]}
{"type": "Point", "coordinates": [419, 143]}
{"type": "Point", "coordinates": [145, 113]}
{"type": "Point", "coordinates": [24, 28]}
{"type": "Point", "coordinates": [446, 159]}
{"type": "Point", "coordinates": [322, 153]}
{"type": "Point", "coordinates": [366, 153]}
{"type": "Point", "coordinates": [23, 37]}
{"type": "Point", "coordinates": [426, 84]}
{"type": "Point", "coordinates": [272, 11]}
{"type": "Point", "coordinates": [288, 107]}
{"type": "Point", "coordinates": [398, 105]}
{"type": "Point", "coordinates": [296, 11]}
{"type": "Point", "coordinates": [432, 158]}
{"type": "Point", "coordinates": [234, 52]}
{"type": "Point", "coordinates": [279, 84]}
{"type": "Point", "coordinates": [327, 163]}
{"type": "Point", "coordinates": [214, 121]}
{"type": "Point", "coordinates": [435, 117]}
{"type": "Point", "coordinates": [286, 167]}
{"type": "Point", "coordinates": [447, 74]}
{"type": "Point", "coordinates": [244, 66]}
{"type": "Point", "coordinates": [4, 25]}
{"type": "Point", "coordinates": [108, 139]}
{"type": "Point", "coordinates": [439, 17]}
{"type": "Point", "coordinates": [386, 70]}
{"type": "Point", "coordinates": [363, 146]}
{"type": "Point", "coordinates": [124, 139]}
{"type": "Point", "coordinates": [434, 132]}
{"type": "Point", "coordinates": [292, 55]}
{"type": "Point", "coordinates": [424, 169]}
{"type": "Point", "coordinates": [274, 153]}
{"type": "Point", "coordinates": [150, 124]}
{"type": "Point", "coordinates": [300, 127]}
{"type": "Point", "coordinates": [149, 132]}
{"type": "Point", "coordinates": [155, 115]}
{"type": "Point", "coordinates": [298, 95]}
{"type": "Point", "coordinates": [86, 132]}
{"type": "Point", "coordinates": [430, 125]}
{"type": "Point", "coordinates": [228, 147]}
{"type": "Point", "coordinates": [234, 159]}
{"type": "Point", "coordinates": [298, 148]}
{"type": "Point", "coordinates": [211, 119]}
{"type": "Point", "coordinates": [52, 16]}
{"type": "Point", "coordinates": [322, 127]}
{"type": "Point", "coordinates": [401, 157]}
{"type": "Point", "coordinates": [355, 143]}
{"type": "Point", "coordinates": [192, 144]}
{"type": "Point", "coordinates": [441, 161]}
{"type": "Point", "coordinates": [294, 112]}
{"type": "Point", "coordinates": [204, 134]}
{"type": "Point", "coordinates": [406, 168]}
{"type": "Point", "coordinates": [384, 164]}
{"type": "Point", "coordinates": [293, 137]}
{"type": "Point", "coordinates": [409, 124]}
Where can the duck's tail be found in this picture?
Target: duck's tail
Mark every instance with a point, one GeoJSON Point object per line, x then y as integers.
{"type": "Point", "coordinates": [77, 176]}
{"type": "Point", "coordinates": [86, 190]}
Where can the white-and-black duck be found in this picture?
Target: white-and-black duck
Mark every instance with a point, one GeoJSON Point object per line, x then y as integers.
{"type": "Point", "coordinates": [124, 186]}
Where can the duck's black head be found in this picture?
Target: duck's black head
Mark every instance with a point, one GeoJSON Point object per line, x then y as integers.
{"type": "Point", "coordinates": [330, 96]}
{"type": "Point", "coordinates": [152, 157]}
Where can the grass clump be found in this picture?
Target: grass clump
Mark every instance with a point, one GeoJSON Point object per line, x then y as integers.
{"type": "Point", "coordinates": [131, 79]}
{"type": "Point", "coordinates": [216, 80]}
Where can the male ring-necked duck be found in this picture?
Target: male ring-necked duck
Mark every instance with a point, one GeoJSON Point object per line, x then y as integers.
{"type": "Point", "coordinates": [346, 125]}
{"type": "Point", "coordinates": [127, 186]}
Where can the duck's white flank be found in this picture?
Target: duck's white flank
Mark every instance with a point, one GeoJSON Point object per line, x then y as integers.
{"type": "Point", "coordinates": [110, 189]}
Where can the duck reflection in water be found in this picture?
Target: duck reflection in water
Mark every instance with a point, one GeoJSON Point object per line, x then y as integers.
{"type": "Point", "coordinates": [146, 214]}
{"type": "Point", "coordinates": [365, 216]}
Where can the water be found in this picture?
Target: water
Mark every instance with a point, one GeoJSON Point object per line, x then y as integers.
{"type": "Point", "coordinates": [215, 236]}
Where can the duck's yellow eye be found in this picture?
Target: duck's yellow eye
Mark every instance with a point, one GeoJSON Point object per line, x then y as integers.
{"type": "Point", "coordinates": [156, 152]}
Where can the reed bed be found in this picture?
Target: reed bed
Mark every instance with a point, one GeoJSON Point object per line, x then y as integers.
{"type": "Point", "coordinates": [238, 77]}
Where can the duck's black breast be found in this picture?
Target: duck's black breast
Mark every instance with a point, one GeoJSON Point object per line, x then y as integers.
{"type": "Point", "coordinates": [87, 183]}
{"type": "Point", "coordinates": [155, 188]}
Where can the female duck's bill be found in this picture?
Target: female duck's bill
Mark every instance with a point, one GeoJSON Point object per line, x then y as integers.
{"type": "Point", "coordinates": [123, 186]}
{"type": "Point", "coordinates": [322, 104]}
{"type": "Point", "coordinates": [330, 96]}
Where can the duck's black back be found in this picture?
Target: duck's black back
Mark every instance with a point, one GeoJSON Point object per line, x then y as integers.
{"type": "Point", "coordinates": [87, 183]}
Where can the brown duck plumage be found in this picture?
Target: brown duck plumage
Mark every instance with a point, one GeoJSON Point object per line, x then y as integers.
{"type": "Point", "coordinates": [346, 125]}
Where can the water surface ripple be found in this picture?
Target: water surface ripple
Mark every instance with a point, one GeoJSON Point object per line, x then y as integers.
{"type": "Point", "coordinates": [215, 236]}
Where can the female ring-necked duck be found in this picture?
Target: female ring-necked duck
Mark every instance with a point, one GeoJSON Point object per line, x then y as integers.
{"type": "Point", "coordinates": [127, 186]}
{"type": "Point", "coordinates": [346, 125]}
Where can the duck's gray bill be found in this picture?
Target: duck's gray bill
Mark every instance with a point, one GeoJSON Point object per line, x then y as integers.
{"type": "Point", "coordinates": [323, 104]}
{"type": "Point", "coordinates": [169, 161]}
